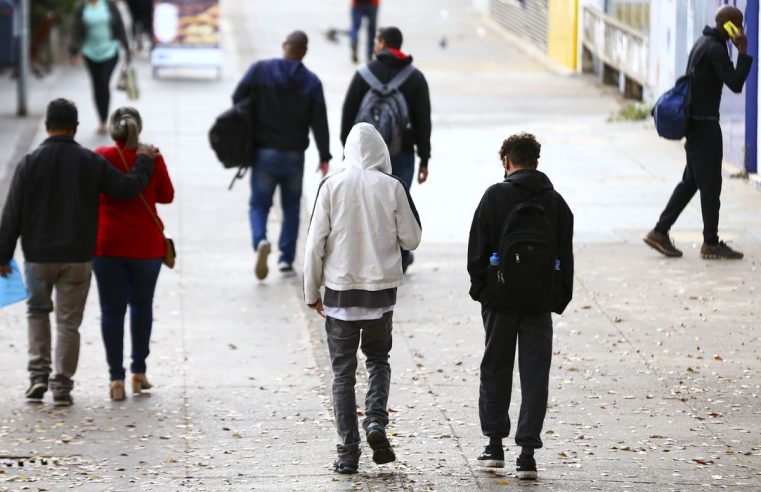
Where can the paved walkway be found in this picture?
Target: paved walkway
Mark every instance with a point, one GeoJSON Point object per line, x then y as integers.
{"type": "Point", "coordinates": [656, 369]}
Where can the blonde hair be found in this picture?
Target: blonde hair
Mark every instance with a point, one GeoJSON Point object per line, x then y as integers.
{"type": "Point", "coordinates": [126, 126]}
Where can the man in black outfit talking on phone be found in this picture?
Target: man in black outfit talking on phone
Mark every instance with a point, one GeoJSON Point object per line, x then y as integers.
{"type": "Point", "coordinates": [711, 68]}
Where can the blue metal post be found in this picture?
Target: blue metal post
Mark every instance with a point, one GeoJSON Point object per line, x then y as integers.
{"type": "Point", "coordinates": [751, 89]}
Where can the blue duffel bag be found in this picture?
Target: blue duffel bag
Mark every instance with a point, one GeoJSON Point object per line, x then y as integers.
{"type": "Point", "coordinates": [672, 111]}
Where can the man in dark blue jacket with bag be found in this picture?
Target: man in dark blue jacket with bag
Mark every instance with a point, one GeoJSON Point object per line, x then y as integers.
{"type": "Point", "coordinates": [711, 68]}
{"type": "Point", "coordinates": [288, 101]}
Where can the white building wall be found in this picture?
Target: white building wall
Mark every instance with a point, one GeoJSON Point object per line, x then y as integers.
{"type": "Point", "coordinates": [666, 33]}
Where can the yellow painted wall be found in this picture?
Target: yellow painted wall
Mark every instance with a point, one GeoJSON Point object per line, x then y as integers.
{"type": "Point", "coordinates": [562, 32]}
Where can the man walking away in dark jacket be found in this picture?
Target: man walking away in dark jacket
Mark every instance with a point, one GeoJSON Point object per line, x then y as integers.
{"type": "Point", "coordinates": [712, 68]}
{"type": "Point", "coordinates": [530, 331]}
{"type": "Point", "coordinates": [389, 61]}
{"type": "Point", "coordinates": [52, 205]}
{"type": "Point", "coordinates": [288, 101]}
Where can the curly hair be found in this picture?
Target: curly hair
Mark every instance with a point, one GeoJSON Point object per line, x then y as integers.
{"type": "Point", "coordinates": [522, 149]}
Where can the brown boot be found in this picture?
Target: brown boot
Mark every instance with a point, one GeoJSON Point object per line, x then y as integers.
{"type": "Point", "coordinates": [140, 383]}
{"type": "Point", "coordinates": [662, 244]}
{"type": "Point", "coordinates": [116, 390]}
{"type": "Point", "coordinates": [719, 252]}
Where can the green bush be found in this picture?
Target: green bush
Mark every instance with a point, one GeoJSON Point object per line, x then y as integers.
{"type": "Point", "coordinates": [41, 8]}
{"type": "Point", "coordinates": [632, 112]}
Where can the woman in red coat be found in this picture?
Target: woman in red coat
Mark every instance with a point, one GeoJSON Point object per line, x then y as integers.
{"type": "Point", "coordinates": [128, 256]}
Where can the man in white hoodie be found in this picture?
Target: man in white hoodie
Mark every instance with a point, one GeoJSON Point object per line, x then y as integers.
{"type": "Point", "coordinates": [363, 216]}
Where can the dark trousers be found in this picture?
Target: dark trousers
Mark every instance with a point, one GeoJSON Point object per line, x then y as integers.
{"type": "Point", "coordinates": [703, 172]}
{"type": "Point", "coordinates": [357, 13]}
{"type": "Point", "coordinates": [122, 282]}
{"type": "Point", "coordinates": [141, 12]}
{"type": "Point", "coordinates": [100, 75]}
{"type": "Point", "coordinates": [533, 336]}
{"type": "Point", "coordinates": [403, 167]}
{"type": "Point", "coordinates": [344, 338]}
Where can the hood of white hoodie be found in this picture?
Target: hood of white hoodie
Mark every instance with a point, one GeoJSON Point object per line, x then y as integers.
{"type": "Point", "coordinates": [366, 149]}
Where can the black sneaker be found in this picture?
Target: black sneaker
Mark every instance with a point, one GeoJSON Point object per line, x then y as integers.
{"type": "Point", "coordinates": [662, 244]}
{"type": "Point", "coordinates": [376, 438]}
{"type": "Point", "coordinates": [719, 252]}
{"type": "Point", "coordinates": [38, 385]}
{"type": "Point", "coordinates": [526, 467]}
{"type": "Point", "coordinates": [492, 457]}
{"type": "Point", "coordinates": [345, 468]}
{"type": "Point", "coordinates": [63, 400]}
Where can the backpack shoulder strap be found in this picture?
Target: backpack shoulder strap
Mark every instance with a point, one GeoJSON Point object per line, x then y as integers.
{"type": "Point", "coordinates": [370, 78]}
{"type": "Point", "coordinates": [401, 77]}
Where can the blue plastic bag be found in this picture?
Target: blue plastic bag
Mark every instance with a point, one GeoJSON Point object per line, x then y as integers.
{"type": "Point", "coordinates": [672, 111]}
{"type": "Point", "coordinates": [12, 289]}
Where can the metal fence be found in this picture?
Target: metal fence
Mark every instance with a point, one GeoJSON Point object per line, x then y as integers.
{"type": "Point", "coordinates": [617, 45]}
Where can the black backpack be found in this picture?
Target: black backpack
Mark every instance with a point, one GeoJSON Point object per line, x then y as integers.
{"type": "Point", "coordinates": [231, 137]}
{"type": "Point", "coordinates": [524, 281]}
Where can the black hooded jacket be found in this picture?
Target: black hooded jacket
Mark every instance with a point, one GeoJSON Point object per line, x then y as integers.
{"type": "Point", "coordinates": [415, 91]}
{"type": "Point", "coordinates": [712, 67]}
{"type": "Point", "coordinates": [489, 222]}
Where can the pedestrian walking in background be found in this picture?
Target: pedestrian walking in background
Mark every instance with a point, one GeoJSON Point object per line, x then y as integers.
{"type": "Point", "coordinates": [141, 12]}
{"type": "Point", "coordinates": [52, 205]}
{"type": "Point", "coordinates": [128, 255]}
{"type": "Point", "coordinates": [520, 261]}
{"type": "Point", "coordinates": [289, 100]}
{"type": "Point", "coordinates": [362, 217]}
{"type": "Point", "coordinates": [97, 33]}
{"type": "Point", "coordinates": [711, 68]}
{"type": "Point", "coordinates": [390, 62]}
{"type": "Point", "coordinates": [368, 10]}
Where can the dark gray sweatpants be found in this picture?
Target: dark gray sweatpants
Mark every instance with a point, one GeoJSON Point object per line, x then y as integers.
{"type": "Point", "coordinates": [344, 338]}
{"type": "Point", "coordinates": [532, 336]}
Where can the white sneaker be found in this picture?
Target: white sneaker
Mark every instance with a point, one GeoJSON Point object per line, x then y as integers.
{"type": "Point", "coordinates": [262, 251]}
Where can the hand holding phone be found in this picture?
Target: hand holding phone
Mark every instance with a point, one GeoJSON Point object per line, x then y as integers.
{"type": "Point", "coordinates": [737, 36]}
{"type": "Point", "coordinates": [731, 29]}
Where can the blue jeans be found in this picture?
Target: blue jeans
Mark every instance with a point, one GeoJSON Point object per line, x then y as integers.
{"type": "Point", "coordinates": [403, 167]}
{"type": "Point", "coordinates": [122, 282]}
{"type": "Point", "coordinates": [272, 168]}
{"type": "Point", "coordinates": [357, 13]}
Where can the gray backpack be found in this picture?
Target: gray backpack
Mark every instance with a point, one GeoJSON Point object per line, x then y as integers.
{"type": "Point", "coordinates": [385, 108]}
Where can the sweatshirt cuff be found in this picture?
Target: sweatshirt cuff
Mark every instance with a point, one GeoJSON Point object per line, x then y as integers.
{"type": "Point", "coordinates": [423, 162]}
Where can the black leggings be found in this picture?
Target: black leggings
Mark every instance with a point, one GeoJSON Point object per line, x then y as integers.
{"type": "Point", "coordinates": [100, 74]}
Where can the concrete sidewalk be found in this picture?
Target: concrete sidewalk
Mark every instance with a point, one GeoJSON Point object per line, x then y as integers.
{"type": "Point", "coordinates": [655, 375]}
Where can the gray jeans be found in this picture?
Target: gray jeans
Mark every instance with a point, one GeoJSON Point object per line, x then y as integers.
{"type": "Point", "coordinates": [72, 283]}
{"type": "Point", "coordinates": [344, 338]}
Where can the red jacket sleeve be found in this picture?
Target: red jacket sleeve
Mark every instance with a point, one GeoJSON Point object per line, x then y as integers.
{"type": "Point", "coordinates": [164, 187]}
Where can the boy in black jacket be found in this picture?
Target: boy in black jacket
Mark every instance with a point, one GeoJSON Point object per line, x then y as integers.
{"type": "Point", "coordinates": [388, 63]}
{"type": "Point", "coordinates": [531, 331]}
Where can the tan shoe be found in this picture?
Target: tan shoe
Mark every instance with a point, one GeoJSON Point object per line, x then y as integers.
{"type": "Point", "coordinates": [140, 383]}
{"type": "Point", "coordinates": [116, 390]}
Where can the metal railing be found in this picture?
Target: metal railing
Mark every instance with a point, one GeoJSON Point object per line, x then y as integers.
{"type": "Point", "coordinates": [621, 47]}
